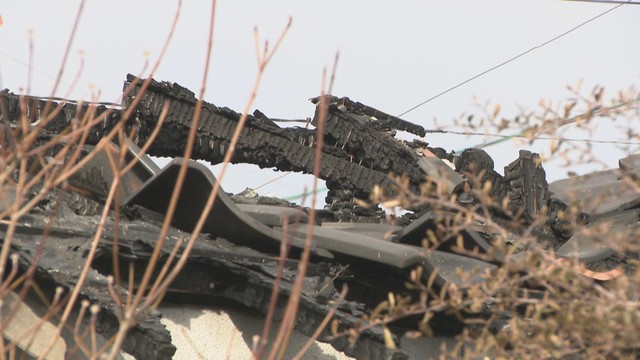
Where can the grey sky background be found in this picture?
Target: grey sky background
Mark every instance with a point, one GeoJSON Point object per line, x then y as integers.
{"type": "Point", "coordinates": [393, 55]}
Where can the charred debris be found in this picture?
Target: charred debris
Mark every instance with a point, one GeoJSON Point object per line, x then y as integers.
{"type": "Point", "coordinates": [353, 244]}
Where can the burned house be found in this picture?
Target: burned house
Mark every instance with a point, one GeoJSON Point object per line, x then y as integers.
{"type": "Point", "coordinates": [354, 242]}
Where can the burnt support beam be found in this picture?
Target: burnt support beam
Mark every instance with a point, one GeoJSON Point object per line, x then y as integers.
{"type": "Point", "coordinates": [261, 142]}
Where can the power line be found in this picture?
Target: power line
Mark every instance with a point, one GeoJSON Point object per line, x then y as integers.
{"type": "Point", "coordinates": [513, 58]}
{"type": "Point", "coordinates": [271, 181]}
{"type": "Point", "coordinates": [304, 194]}
{"type": "Point", "coordinates": [562, 122]}
{"type": "Point", "coordinates": [518, 136]}
{"type": "Point", "coordinates": [524, 133]}
{"type": "Point", "coordinates": [43, 73]}
{"type": "Point", "coordinates": [608, 1]}
{"type": "Point", "coordinates": [76, 102]}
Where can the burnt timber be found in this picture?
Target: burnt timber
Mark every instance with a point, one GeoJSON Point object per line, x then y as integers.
{"type": "Point", "coordinates": [262, 142]}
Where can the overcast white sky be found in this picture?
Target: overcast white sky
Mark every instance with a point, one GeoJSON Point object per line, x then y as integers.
{"type": "Point", "coordinates": [393, 55]}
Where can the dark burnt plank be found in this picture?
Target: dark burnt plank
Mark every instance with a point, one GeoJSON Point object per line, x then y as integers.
{"type": "Point", "coordinates": [59, 264]}
{"type": "Point", "coordinates": [262, 143]}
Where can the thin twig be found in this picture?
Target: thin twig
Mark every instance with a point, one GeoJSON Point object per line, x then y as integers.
{"type": "Point", "coordinates": [85, 270]}
{"type": "Point", "coordinates": [288, 322]}
{"type": "Point", "coordinates": [213, 195]}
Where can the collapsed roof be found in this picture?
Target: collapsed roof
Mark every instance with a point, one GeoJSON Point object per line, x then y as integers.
{"type": "Point", "coordinates": [353, 243]}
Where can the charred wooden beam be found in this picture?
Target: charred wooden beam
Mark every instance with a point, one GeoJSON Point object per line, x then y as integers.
{"type": "Point", "coordinates": [527, 185]}
{"type": "Point", "coordinates": [261, 142]}
{"type": "Point", "coordinates": [364, 140]}
{"type": "Point", "coordinates": [60, 115]}
{"type": "Point", "coordinates": [361, 155]}
{"type": "Point", "coordinates": [381, 119]}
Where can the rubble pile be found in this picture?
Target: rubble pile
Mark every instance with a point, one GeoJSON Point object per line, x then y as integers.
{"type": "Point", "coordinates": [235, 258]}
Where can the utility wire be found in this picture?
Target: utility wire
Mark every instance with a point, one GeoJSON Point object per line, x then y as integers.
{"type": "Point", "coordinates": [562, 122]}
{"type": "Point", "coordinates": [271, 181]}
{"type": "Point", "coordinates": [559, 138]}
{"type": "Point", "coordinates": [76, 102]}
{"type": "Point", "coordinates": [521, 134]}
{"type": "Point", "coordinates": [299, 196]}
{"type": "Point", "coordinates": [513, 58]}
{"type": "Point", "coordinates": [608, 1]}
